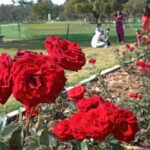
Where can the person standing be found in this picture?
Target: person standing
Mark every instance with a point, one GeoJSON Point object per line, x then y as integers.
{"type": "Point", "coordinates": [146, 20]}
{"type": "Point", "coordinates": [119, 26]}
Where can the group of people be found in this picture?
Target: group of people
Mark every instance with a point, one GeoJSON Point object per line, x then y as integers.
{"type": "Point", "coordinates": [101, 38]}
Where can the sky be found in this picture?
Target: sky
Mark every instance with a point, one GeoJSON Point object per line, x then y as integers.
{"type": "Point", "coordinates": [58, 2]}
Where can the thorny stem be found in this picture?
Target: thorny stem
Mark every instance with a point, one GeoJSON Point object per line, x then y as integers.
{"type": "Point", "coordinates": [105, 88]}
{"type": "Point", "coordinates": [28, 121]}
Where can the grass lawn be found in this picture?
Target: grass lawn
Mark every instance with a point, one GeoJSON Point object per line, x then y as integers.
{"type": "Point", "coordinates": [32, 38]}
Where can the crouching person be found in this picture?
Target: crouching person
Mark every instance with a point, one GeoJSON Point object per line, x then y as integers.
{"type": "Point", "coordinates": [99, 40]}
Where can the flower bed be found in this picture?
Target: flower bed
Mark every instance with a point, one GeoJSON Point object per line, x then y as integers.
{"type": "Point", "coordinates": [99, 114]}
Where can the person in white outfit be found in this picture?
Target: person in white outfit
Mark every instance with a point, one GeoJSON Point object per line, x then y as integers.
{"type": "Point", "coordinates": [99, 39]}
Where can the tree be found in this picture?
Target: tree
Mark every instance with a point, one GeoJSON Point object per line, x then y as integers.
{"type": "Point", "coordinates": [78, 7]}
{"type": "Point", "coordinates": [103, 7]}
{"type": "Point", "coordinates": [22, 2]}
{"type": "Point", "coordinates": [100, 7]}
{"type": "Point", "coordinates": [5, 13]}
{"type": "Point", "coordinates": [147, 1]}
{"type": "Point", "coordinates": [40, 10]}
{"type": "Point", "coordinates": [133, 7]}
{"type": "Point", "coordinates": [20, 12]}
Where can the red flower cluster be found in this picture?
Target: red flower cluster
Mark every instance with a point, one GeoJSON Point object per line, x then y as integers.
{"type": "Point", "coordinates": [5, 77]}
{"type": "Point", "coordinates": [65, 53]}
{"type": "Point", "coordinates": [129, 47]}
{"type": "Point", "coordinates": [36, 79]}
{"type": "Point", "coordinates": [92, 60]}
{"type": "Point", "coordinates": [145, 67]}
{"type": "Point", "coordinates": [76, 93]}
{"type": "Point", "coordinates": [98, 121]}
{"type": "Point", "coordinates": [136, 95]}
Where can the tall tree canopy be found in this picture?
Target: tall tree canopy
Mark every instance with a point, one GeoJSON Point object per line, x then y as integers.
{"type": "Point", "coordinates": [101, 7]}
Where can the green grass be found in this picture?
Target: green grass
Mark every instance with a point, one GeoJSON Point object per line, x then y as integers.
{"type": "Point", "coordinates": [11, 105]}
{"type": "Point", "coordinates": [78, 33]}
{"type": "Point", "coordinates": [33, 36]}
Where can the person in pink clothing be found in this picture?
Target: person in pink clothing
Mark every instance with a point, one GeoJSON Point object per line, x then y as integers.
{"type": "Point", "coordinates": [118, 17]}
{"type": "Point", "coordinates": [146, 20]}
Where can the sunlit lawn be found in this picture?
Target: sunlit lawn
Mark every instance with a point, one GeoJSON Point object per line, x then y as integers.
{"type": "Point", "coordinates": [35, 35]}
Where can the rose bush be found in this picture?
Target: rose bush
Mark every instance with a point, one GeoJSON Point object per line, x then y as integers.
{"type": "Point", "coordinates": [36, 78]}
{"type": "Point", "coordinates": [101, 120]}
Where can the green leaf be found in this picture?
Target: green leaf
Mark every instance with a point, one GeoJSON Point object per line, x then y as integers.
{"type": "Point", "coordinates": [52, 140]}
{"type": "Point", "coordinates": [112, 140]}
{"type": "Point", "coordinates": [84, 145]}
{"type": "Point", "coordinates": [3, 145]}
{"type": "Point", "coordinates": [10, 129]}
{"type": "Point", "coordinates": [43, 135]}
{"type": "Point", "coordinates": [12, 134]}
{"type": "Point", "coordinates": [3, 122]}
{"type": "Point", "coordinates": [32, 143]}
{"type": "Point", "coordinates": [116, 146]}
{"type": "Point", "coordinates": [76, 145]}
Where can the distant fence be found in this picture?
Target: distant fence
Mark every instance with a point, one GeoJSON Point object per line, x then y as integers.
{"type": "Point", "coordinates": [40, 31]}
{"type": "Point", "coordinates": [70, 30]}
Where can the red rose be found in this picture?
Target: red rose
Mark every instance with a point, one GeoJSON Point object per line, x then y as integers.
{"type": "Point", "coordinates": [20, 54]}
{"type": "Point", "coordinates": [37, 79]}
{"type": "Point", "coordinates": [28, 111]}
{"type": "Point", "coordinates": [62, 130]}
{"type": "Point", "coordinates": [126, 125]}
{"type": "Point", "coordinates": [139, 96]}
{"type": "Point", "coordinates": [133, 95]}
{"type": "Point", "coordinates": [66, 53]}
{"type": "Point", "coordinates": [145, 70]}
{"type": "Point", "coordinates": [98, 123]}
{"type": "Point", "coordinates": [147, 42]}
{"type": "Point", "coordinates": [92, 60]}
{"type": "Point", "coordinates": [109, 106]}
{"type": "Point", "coordinates": [76, 93]}
{"type": "Point", "coordinates": [78, 126]}
{"type": "Point", "coordinates": [148, 65]}
{"type": "Point", "coordinates": [140, 63]}
{"type": "Point", "coordinates": [87, 104]}
{"type": "Point", "coordinates": [129, 47]}
{"type": "Point", "coordinates": [5, 77]}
